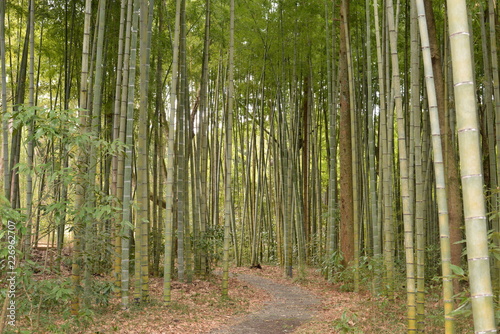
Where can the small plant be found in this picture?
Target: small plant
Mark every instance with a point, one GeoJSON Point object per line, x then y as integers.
{"type": "Point", "coordinates": [346, 323]}
{"type": "Point", "coordinates": [332, 265]}
{"type": "Point", "coordinates": [101, 291]}
{"type": "Point", "coordinates": [300, 279]}
{"type": "Point", "coordinates": [211, 243]}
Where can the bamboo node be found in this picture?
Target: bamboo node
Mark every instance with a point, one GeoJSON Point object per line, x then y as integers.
{"type": "Point", "coordinates": [459, 33]}
{"type": "Point", "coordinates": [485, 258]}
{"type": "Point", "coordinates": [471, 176]}
{"type": "Point", "coordinates": [482, 295]}
{"type": "Point", "coordinates": [476, 218]}
{"type": "Point", "coordinates": [466, 130]}
{"type": "Point", "coordinates": [463, 83]}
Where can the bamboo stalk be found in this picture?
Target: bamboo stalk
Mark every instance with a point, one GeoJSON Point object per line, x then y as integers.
{"type": "Point", "coordinates": [403, 161]}
{"type": "Point", "coordinates": [439, 171]}
{"type": "Point", "coordinates": [471, 169]}
{"type": "Point", "coordinates": [229, 158]}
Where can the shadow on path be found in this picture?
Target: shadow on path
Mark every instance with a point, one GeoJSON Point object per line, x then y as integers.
{"type": "Point", "coordinates": [290, 307]}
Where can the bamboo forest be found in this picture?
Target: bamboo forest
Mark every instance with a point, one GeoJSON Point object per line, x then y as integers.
{"type": "Point", "coordinates": [250, 166]}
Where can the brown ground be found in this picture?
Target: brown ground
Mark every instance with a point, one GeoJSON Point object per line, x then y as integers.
{"type": "Point", "coordinates": [289, 307]}
{"type": "Point", "coordinates": [261, 301]}
{"type": "Point", "coordinates": [363, 312]}
{"type": "Point", "coordinates": [196, 308]}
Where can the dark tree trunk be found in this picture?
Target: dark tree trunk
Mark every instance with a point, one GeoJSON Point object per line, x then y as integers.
{"type": "Point", "coordinates": [346, 195]}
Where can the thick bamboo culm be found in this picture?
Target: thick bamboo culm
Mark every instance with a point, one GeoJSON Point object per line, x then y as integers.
{"type": "Point", "coordinates": [471, 169]}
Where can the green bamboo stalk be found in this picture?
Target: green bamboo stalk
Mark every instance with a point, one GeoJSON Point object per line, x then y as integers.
{"type": "Point", "coordinates": [228, 161]}
{"type": "Point", "coordinates": [80, 187]}
{"type": "Point", "coordinates": [95, 99]}
{"type": "Point", "coordinates": [127, 187]}
{"type": "Point", "coordinates": [488, 102]}
{"type": "Point", "coordinates": [440, 176]}
{"type": "Point", "coordinates": [31, 126]}
{"type": "Point", "coordinates": [117, 168]}
{"type": "Point", "coordinates": [5, 124]}
{"type": "Point", "coordinates": [332, 136]}
{"type": "Point", "coordinates": [167, 276]}
{"type": "Point", "coordinates": [120, 178]}
{"type": "Point", "coordinates": [419, 181]}
{"type": "Point", "coordinates": [496, 92]}
{"type": "Point", "coordinates": [403, 161]}
{"type": "Point", "coordinates": [489, 84]}
{"type": "Point", "coordinates": [385, 159]}
{"type": "Point", "coordinates": [419, 177]}
{"type": "Point", "coordinates": [142, 151]}
{"type": "Point", "coordinates": [374, 222]}
{"type": "Point", "coordinates": [182, 121]}
{"type": "Point", "coordinates": [203, 129]}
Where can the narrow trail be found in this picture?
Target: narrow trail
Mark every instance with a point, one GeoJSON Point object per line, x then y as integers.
{"type": "Point", "coordinates": [290, 307]}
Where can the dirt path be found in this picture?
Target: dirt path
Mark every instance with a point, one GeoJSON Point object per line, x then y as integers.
{"type": "Point", "coordinates": [290, 307]}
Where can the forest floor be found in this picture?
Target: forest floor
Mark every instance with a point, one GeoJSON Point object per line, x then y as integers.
{"type": "Point", "coordinates": [263, 301]}
{"type": "Point", "coordinates": [196, 308]}
{"type": "Point", "coordinates": [260, 301]}
{"type": "Point", "coordinates": [289, 307]}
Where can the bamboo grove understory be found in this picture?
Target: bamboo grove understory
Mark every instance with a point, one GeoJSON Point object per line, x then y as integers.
{"type": "Point", "coordinates": [171, 137]}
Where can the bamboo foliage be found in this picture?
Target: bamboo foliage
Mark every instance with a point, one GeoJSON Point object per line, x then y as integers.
{"type": "Point", "coordinates": [250, 172]}
{"type": "Point", "coordinates": [471, 169]}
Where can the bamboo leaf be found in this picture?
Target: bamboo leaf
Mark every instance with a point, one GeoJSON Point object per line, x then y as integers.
{"type": "Point", "coordinates": [457, 270]}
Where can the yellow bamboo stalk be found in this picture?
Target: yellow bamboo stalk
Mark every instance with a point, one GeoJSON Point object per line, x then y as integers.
{"type": "Point", "coordinates": [80, 192]}
{"type": "Point", "coordinates": [385, 157]}
{"type": "Point", "coordinates": [444, 227]}
{"type": "Point", "coordinates": [167, 276]}
{"type": "Point", "coordinates": [403, 161]}
{"type": "Point", "coordinates": [117, 160]}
